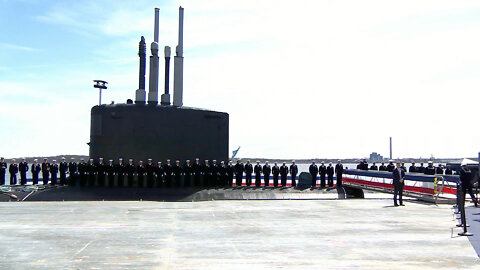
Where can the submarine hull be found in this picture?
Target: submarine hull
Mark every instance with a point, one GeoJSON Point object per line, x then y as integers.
{"type": "Point", "coordinates": [158, 132]}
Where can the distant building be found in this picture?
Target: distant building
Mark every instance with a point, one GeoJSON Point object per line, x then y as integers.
{"type": "Point", "coordinates": [374, 156]}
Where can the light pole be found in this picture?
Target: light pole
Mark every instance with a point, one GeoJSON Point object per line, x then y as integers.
{"type": "Point", "coordinates": [100, 85]}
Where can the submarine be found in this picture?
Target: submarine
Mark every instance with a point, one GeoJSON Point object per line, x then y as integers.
{"type": "Point", "coordinates": [148, 129]}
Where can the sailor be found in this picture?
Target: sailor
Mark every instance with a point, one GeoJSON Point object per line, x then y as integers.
{"type": "Point", "coordinates": [322, 169]}
{"type": "Point", "coordinates": [365, 165]}
{"type": "Point", "coordinates": [177, 173]}
{"type": "Point", "coordinates": [293, 173]}
{"type": "Point", "coordinates": [13, 170]}
{"type": "Point", "coordinates": [35, 169]}
{"type": "Point", "coordinates": [390, 166]}
{"type": "Point", "coordinates": [412, 168]}
{"type": "Point", "coordinates": [63, 168]}
{"type": "Point", "coordinates": [466, 176]}
{"type": "Point", "coordinates": [283, 174]}
{"type": "Point", "coordinates": [248, 173]}
{"type": "Point", "coordinates": [222, 170]}
{"type": "Point", "coordinates": [266, 174]}
{"type": "Point", "coordinates": [110, 171]}
{"type": "Point", "coordinates": [382, 167]}
{"type": "Point", "coordinates": [275, 173]}
{"type": "Point", "coordinates": [187, 168]}
{"type": "Point", "coordinates": [45, 173]}
{"type": "Point", "coordinates": [167, 170]}
{"type": "Point", "coordinates": [159, 174]}
{"type": "Point", "coordinates": [197, 172]}
{"type": "Point", "coordinates": [130, 170]}
{"type": "Point", "coordinates": [239, 168]}
{"type": "Point", "coordinates": [373, 167]}
{"type": "Point", "coordinates": [53, 172]}
{"type": "Point", "coordinates": [398, 183]}
{"type": "Point", "coordinates": [72, 171]}
{"type": "Point", "coordinates": [339, 172]}
{"type": "Point", "coordinates": [258, 174]}
{"type": "Point", "coordinates": [150, 169]}
{"type": "Point", "coordinates": [448, 171]}
{"type": "Point", "coordinates": [429, 170]}
{"type": "Point", "coordinates": [421, 169]}
{"type": "Point", "coordinates": [23, 169]}
{"type": "Point", "coordinates": [120, 170]}
{"type": "Point", "coordinates": [439, 169]}
{"type": "Point", "coordinates": [403, 167]}
{"type": "Point", "coordinates": [3, 171]}
{"type": "Point", "coordinates": [313, 169]}
{"type": "Point", "coordinates": [82, 172]}
{"type": "Point", "coordinates": [230, 173]}
{"type": "Point", "coordinates": [206, 173]}
{"type": "Point", "coordinates": [215, 173]}
{"type": "Point", "coordinates": [330, 172]}
{"type": "Point", "coordinates": [100, 168]}
{"type": "Point", "coordinates": [141, 170]}
{"type": "Point", "coordinates": [92, 172]}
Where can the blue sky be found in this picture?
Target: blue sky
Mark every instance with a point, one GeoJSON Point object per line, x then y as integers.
{"type": "Point", "coordinates": [299, 80]}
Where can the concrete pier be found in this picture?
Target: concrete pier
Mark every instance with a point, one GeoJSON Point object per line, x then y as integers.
{"type": "Point", "coordinates": [321, 234]}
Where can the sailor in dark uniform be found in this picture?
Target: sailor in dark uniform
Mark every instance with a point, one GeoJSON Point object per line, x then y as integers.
{"type": "Point", "coordinates": [23, 169]}
{"type": "Point", "coordinates": [339, 172]}
{"type": "Point", "coordinates": [35, 169]}
{"type": "Point", "coordinates": [177, 173]}
{"type": "Point", "coordinates": [45, 172]}
{"type": "Point", "coordinates": [120, 170]}
{"type": "Point", "coordinates": [73, 172]}
{"type": "Point", "coordinates": [398, 184]}
{"type": "Point", "coordinates": [374, 167]}
{"type": "Point", "coordinates": [63, 168]}
{"type": "Point", "coordinates": [283, 174]}
{"type": "Point", "coordinates": [322, 170]}
{"type": "Point", "coordinates": [466, 176]}
{"type": "Point", "coordinates": [421, 169]}
{"type": "Point", "coordinates": [167, 170]}
{"type": "Point", "coordinates": [53, 172]}
{"type": "Point", "coordinates": [313, 169]}
{"type": "Point", "coordinates": [266, 174]}
{"type": "Point", "coordinates": [215, 173]}
{"type": "Point", "coordinates": [382, 167]}
{"type": "Point", "coordinates": [13, 170]}
{"type": "Point", "coordinates": [197, 172]}
{"type": "Point", "coordinates": [230, 174]}
{"type": "Point", "coordinates": [92, 173]}
{"type": "Point", "coordinates": [248, 173]}
{"type": "Point", "coordinates": [275, 174]}
{"type": "Point", "coordinates": [3, 171]}
{"type": "Point", "coordinates": [293, 173]}
{"type": "Point", "coordinates": [258, 174]}
{"type": "Point", "coordinates": [130, 170]}
{"type": "Point", "coordinates": [82, 172]}
{"type": "Point", "coordinates": [222, 170]}
{"type": "Point", "coordinates": [429, 170]}
{"type": "Point", "coordinates": [412, 168]}
{"type": "Point", "coordinates": [439, 169]}
{"type": "Point", "coordinates": [390, 166]}
{"type": "Point", "coordinates": [206, 173]}
{"type": "Point", "coordinates": [141, 170]}
{"type": "Point", "coordinates": [365, 165]}
{"type": "Point", "coordinates": [100, 166]}
{"type": "Point", "coordinates": [330, 172]}
{"type": "Point", "coordinates": [448, 171]}
{"type": "Point", "coordinates": [238, 173]}
{"type": "Point", "coordinates": [187, 169]}
{"type": "Point", "coordinates": [110, 171]}
{"type": "Point", "coordinates": [403, 167]}
{"type": "Point", "coordinates": [150, 169]}
{"type": "Point", "coordinates": [159, 174]}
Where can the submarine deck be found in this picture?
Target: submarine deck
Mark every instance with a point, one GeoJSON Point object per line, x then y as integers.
{"type": "Point", "coordinates": [255, 234]}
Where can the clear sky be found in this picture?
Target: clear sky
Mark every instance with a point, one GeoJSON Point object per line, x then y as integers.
{"type": "Point", "coordinates": [300, 79]}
